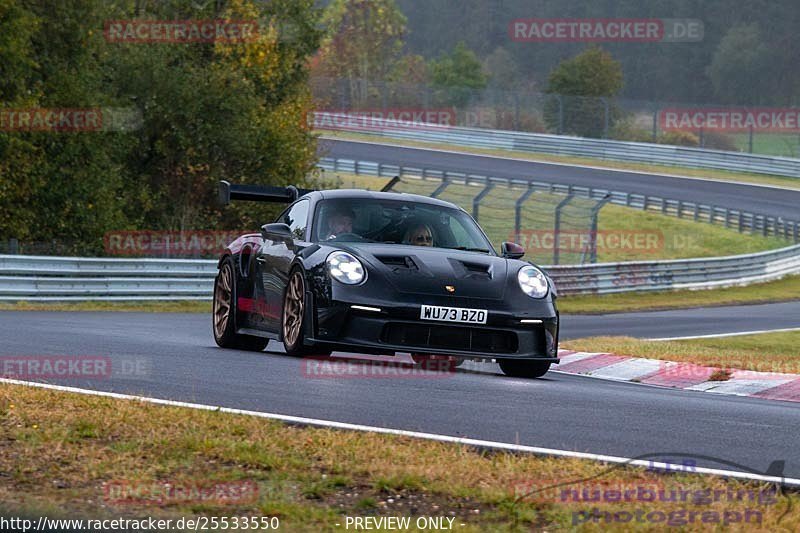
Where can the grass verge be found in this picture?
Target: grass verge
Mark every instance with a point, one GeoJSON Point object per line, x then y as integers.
{"type": "Point", "coordinates": [785, 289]}
{"type": "Point", "coordinates": [61, 452]}
{"type": "Point", "coordinates": [721, 175]}
{"type": "Point", "coordinates": [764, 352]}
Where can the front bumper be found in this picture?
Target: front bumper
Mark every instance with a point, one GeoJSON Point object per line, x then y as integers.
{"type": "Point", "coordinates": [398, 328]}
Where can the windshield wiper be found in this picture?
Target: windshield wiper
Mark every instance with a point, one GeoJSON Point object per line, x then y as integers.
{"type": "Point", "coordinates": [468, 249]}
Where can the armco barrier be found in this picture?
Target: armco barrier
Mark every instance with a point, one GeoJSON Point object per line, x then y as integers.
{"type": "Point", "coordinates": [585, 147]}
{"type": "Point", "coordinates": [36, 278]}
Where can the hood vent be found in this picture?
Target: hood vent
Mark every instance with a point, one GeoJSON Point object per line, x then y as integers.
{"type": "Point", "coordinates": [398, 262]}
{"type": "Point", "coordinates": [468, 269]}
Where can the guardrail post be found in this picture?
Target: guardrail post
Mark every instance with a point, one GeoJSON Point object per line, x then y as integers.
{"type": "Point", "coordinates": [655, 125]}
{"type": "Point", "coordinates": [13, 246]}
{"type": "Point", "coordinates": [557, 225]}
{"type": "Point", "coordinates": [480, 196]}
{"type": "Point", "coordinates": [518, 211]}
{"type": "Point", "coordinates": [593, 235]}
{"type": "Point", "coordinates": [727, 219]}
{"type": "Point", "coordinates": [440, 189]}
{"type": "Point", "coordinates": [605, 119]}
{"type": "Point", "coordinates": [560, 114]}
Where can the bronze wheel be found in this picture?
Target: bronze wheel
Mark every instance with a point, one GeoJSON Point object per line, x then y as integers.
{"type": "Point", "coordinates": [223, 315]}
{"type": "Point", "coordinates": [293, 309]}
{"type": "Point", "coordinates": [223, 296]}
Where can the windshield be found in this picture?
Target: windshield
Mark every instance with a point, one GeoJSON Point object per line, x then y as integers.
{"type": "Point", "coordinates": [397, 222]}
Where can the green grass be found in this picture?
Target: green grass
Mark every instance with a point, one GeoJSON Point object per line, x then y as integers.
{"type": "Point", "coordinates": [785, 289]}
{"type": "Point", "coordinates": [311, 479]}
{"type": "Point", "coordinates": [780, 144]}
{"type": "Point", "coordinates": [765, 352]}
{"type": "Point", "coordinates": [722, 175]}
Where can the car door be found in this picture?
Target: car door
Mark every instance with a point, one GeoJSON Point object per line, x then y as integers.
{"type": "Point", "coordinates": [275, 258]}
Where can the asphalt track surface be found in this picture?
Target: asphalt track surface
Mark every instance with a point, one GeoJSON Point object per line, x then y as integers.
{"type": "Point", "coordinates": [173, 356]}
{"type": "Point", "coordinates": [760, 200]}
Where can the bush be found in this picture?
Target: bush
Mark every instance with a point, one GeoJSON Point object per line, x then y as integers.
{"type": "Point", "coordinates": [624, 130]}
{"type": "Point", "coordinates": [679, 138]}
{"type": "Point", "coordinates": [719, 141]}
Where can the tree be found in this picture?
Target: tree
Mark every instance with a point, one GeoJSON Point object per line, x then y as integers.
{"type": "Point", "coordinates": [738, 69]}
{"type": "Point", "coordinates": [209, 111]}
{"type": "Point", "coordinates": [364, 40]}
{"type": "Point", "coordinates": [583, 87]}
{"type": "Point", "coordinates": [503, 71]}
{"type": "Point", "coordinates": [457, 75]}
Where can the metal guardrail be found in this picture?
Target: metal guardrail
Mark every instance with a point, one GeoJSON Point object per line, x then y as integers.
{"type": "Point", "coordinates": [37, 278]}
{"type": "Point", "coordinates": [743, 221]}
{"type": "Point", "coordinates": [44, 278]}
{"type": "Point", "coordinates": [580, 146]}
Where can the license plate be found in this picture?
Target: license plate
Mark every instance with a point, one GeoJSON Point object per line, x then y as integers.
{"type": "Point", "coordinates": [453, 314]}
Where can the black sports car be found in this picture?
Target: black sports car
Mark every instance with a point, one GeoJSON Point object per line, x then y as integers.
{"type": "Point", "coordinates": [380, 273]}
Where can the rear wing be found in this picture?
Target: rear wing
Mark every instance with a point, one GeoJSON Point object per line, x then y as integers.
{"type": "Point", "coordinates": [259, 193]}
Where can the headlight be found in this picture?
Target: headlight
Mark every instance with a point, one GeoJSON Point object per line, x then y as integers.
{"type": "Point", "coordinates": [532, 282]}
{"type": "Point", "coordinates": [345, 268]}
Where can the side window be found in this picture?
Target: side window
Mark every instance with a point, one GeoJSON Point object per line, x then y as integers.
{"type": "Point", "coordinates": [296, 217]}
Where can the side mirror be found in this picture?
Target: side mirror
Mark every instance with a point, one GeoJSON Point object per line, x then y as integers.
{"type": "Point", "coordinates": [512, 250]}
{"type": "Point", "coordinates": [276, 229]}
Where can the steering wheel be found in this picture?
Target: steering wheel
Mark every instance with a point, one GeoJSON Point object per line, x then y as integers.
{"type": "Point", "coordinates": [347, 237]}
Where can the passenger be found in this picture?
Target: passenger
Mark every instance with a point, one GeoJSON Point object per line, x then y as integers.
{"type": "Point", "coordinates": [419, 235]}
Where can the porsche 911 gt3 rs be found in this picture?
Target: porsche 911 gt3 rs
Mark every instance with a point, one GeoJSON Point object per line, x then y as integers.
{"type": "Point", "coordinates": [381, 273]}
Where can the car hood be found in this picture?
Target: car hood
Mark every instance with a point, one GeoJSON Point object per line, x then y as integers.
{"type": "Point", "coordinates": [421, 270]}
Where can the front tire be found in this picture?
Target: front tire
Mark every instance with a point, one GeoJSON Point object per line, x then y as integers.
{"type": "Point", "coordinates": [523, 368]}
{"type": "Point", "coordinates": [224, 313]}
{"type": "Point", "coordinates": [293, 323]}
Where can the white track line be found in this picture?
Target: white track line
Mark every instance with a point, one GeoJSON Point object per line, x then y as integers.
{"type": "Point", "coordinates": [718, 335]}
{"type": "Point", "coordinates": [593, 167]}
{"type": "Point", "coordinates": [666, 467]}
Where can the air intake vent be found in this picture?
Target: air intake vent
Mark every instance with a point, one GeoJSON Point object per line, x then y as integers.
{"type": "Point", "coordinates": [398, 262]}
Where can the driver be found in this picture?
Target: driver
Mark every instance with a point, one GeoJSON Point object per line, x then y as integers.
{"type": "Point", "coordinates": [419, 235]}
{"type": "Point", "coordinates": [340, 221]}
